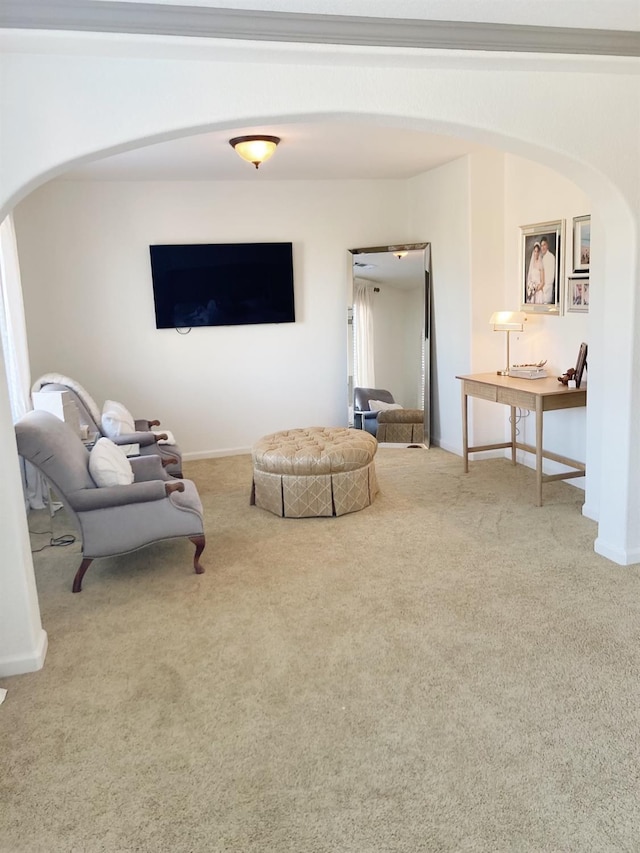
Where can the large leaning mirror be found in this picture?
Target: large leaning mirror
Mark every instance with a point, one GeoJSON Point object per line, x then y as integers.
{"type": "Point", "coordinates": [389, 343]}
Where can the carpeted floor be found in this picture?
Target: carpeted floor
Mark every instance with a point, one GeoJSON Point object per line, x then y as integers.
{"type": "Point", "coordinates": [451, 669]}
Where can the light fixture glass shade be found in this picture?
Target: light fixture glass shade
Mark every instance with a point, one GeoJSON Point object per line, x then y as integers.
{"type": "Point", "coordinates": [507, 321]}
{"type": "Point", "coordinates": [254, 149]}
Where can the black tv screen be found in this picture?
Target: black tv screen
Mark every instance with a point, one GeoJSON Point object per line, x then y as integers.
{"type": "Point", "coordinates": [222, 284]}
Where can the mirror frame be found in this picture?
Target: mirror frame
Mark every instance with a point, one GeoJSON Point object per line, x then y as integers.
{"type": "Point", "coordinates": [408, 247]}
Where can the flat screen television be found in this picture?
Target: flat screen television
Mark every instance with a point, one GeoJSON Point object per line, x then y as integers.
{"type": "Point", "coordinates": [222, 284]}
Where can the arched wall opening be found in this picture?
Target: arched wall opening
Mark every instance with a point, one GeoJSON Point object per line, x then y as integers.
{"type": "Point", "coordinates": [611, 402]}
{"type": "Point", "coordinates": [594, 184]}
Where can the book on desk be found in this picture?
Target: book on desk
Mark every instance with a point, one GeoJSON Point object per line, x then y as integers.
{"type": "Point", "coordinates": [523, 372]}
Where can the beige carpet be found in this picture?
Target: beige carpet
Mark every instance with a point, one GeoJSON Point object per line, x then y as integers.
{"type": "Point", "coordinates": [451, 669]}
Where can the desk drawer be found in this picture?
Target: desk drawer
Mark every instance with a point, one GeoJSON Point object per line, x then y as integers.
{"type": "Point", "coordinates": [478, 389]}
{"type": "Point", "coordinates": [515, 397]}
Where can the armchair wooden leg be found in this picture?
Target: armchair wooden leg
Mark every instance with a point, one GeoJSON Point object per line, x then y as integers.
{"type": "Point", "coordinates": [77, 581]}
{"type": "Point", "coordinates": [199, 542]}
{"type": "Point", "coordinates": [171, 460]}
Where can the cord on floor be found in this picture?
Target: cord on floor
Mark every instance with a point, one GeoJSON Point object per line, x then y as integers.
{"type": "Point", "coordinates": [54, 541]}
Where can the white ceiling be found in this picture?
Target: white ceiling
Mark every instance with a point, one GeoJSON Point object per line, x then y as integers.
{"type": "Point", "coordinates": [386, 269]}
{"type": "Point", "coordinates": [312, 151]}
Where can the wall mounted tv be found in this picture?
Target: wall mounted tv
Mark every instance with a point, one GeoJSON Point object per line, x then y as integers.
{"type": "Point", "coordinates": [222, 284]}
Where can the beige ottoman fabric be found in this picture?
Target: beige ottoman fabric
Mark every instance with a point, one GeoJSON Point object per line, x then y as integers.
{"type": "Point", "coordinates": [403, 426]}
{"type": "Point", "coordinates": [318, 471]}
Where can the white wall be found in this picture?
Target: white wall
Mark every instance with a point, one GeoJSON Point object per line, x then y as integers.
{"type": "Point", "coordinates": [23, 643]}
{"type": "Point", "coordinates": [439, 213]}
{"type": "Point", "coordinates": [534, 194]}
{"type": "Point", "coordinates": [84, 254]}
{"type": "Point", "coordinates": [84, 249]}
{"type": "Point", "coordinates": [472, 211]}
{"type": "Point", "coordinates": [413, 306]}
{"type": "Point", "coordinates": [387, 334]}
{"type": "Point", "coordinates": [397, 334]}
{"type": "Point", "coordinates": [489, 290]}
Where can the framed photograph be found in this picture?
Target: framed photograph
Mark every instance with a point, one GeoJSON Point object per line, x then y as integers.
{"type": "Point", "coordinates": [581, 363]}
{"type": "Point", "coordinates": [581, 243]}
{"type": "Point", "coordinates": [577, 294]}
{"type": "Point", "coordinates": [541, 267]}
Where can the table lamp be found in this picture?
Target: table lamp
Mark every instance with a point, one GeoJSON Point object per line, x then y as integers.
{"type": "Point", "coordinates": [507, 321]}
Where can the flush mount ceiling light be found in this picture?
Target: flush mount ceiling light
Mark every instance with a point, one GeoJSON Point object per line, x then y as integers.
{"type": "Point", "coordinates": [400, 251]}
{"type": "Point", "coordinates": [254, 149]}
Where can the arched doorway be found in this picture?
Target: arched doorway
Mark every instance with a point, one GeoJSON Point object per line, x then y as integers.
{"type": "Point", "coordinates": [131, 102]}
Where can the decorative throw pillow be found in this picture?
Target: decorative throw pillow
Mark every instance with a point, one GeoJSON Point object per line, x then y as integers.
{"type": "Point", "coordinates": [116, 419]}
{"type": "Point", "coordinates": [108, 464]}
{"type": "Point", "coordinates": [382, 406]}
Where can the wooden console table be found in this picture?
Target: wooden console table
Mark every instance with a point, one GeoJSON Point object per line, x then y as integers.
{"type": "Point", "coordinates": [535, 395]}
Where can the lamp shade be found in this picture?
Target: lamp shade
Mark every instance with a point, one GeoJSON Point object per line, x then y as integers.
{"type": "Point", "coordinates": [254, 149]}
{"type": "Point", "coordinates": [507, 321]}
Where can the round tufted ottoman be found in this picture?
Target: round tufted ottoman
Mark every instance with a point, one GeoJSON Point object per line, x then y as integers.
{"type": "Point", "coordinates": [317, 471]}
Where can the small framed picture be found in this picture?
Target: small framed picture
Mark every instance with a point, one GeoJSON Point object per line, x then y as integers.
{"type": "Point", "coordinates": [581, 243]}
{"type": "Point", "coordinates": [541, 267]}
{"type": "Point", "coordinates": [577, 294]}
{"type": "Point", "coordinates": [581, 363]}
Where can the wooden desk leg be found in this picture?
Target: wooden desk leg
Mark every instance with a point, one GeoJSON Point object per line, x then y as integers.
{"type": "Point", "coordinates": [538, 451]}
{"type": "Point", "coordinates": [465, 432]}
{"type": "Point", "coordinates": [513, 434]}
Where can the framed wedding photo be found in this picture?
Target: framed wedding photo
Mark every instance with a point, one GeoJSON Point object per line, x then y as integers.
{"type": "Point", "coordinates": [577, 294]}
{"type": "Point", "coordinates": [541, 266]}
{"type": "Point", "coordinates": [581, 243]}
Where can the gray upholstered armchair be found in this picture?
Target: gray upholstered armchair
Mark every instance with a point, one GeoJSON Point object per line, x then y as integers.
{"type": "Point", "coordinates": [91, 417]}
{"type": "Point", "coordinates": [115, 519]}
{"type": "Point", "coordinates": [364, 417]}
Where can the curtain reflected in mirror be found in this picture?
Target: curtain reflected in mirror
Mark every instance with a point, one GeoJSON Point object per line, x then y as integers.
{"type": "Point", "coordinates": [364, 367]}
{"type": "Point", "coordinates": [389, 328]}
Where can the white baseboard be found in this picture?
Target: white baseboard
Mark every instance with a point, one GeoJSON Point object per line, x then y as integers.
{"type": "Point", "coordinates": [550, 467]}
{"type": "Point", "coordinates": [29, 663]}
{"type": "Point", "coordinates": [617, 555]}
{"type": "Point", "coordinates": [523, 458]}
{"type": "Point", "coordinates": [473, 457]}
{"type": "Point", "coordinates": [450, 448]}
{"type": "Point", "coordinates": [399, 445]}
{"type": "Point", "coordinates": [215, 454]}
{"type": "Point", "coordinates": [590, 512]}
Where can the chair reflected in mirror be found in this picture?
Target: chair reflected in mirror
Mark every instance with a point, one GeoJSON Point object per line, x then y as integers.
{"type": "Point", "coordinates": [376, 411]}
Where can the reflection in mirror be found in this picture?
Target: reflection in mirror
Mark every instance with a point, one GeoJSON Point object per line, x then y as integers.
{"type": "Point", "coordinates": [389, 334]}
